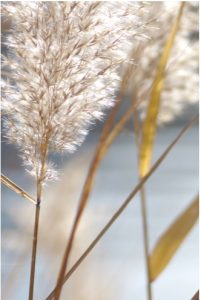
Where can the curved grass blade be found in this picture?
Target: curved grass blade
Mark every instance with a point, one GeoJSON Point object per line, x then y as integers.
{"type": "Point", "coordinates": [14, 187]}
{"type": "Point", "coordinates": [150, 123]}
{"type": "Point", "coordinates": [171, 240]}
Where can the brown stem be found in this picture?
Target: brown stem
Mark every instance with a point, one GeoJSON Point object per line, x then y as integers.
{"type": "Point", "coordinates": [101, 150]}
{"type": "Point", "coordinates": [34, 244]}
{"type": "Point", "coordinates": [40, 178]}
{"type": "Point", "coordinates": [64, 263]}
{"type": "Point", "coordinates": [85, 194]}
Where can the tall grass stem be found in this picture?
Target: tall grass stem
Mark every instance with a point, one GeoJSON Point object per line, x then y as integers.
{"type": "Point", "coordinates": [34, 249]}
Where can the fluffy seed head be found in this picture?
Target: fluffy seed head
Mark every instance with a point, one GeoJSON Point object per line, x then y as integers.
{"type": "Point", "coordinates": [64, 59]}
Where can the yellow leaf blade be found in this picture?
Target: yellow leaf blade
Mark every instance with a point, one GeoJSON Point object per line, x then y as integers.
{"type": "Point", "coordinates": [150, 123]}
{"type": "Point", "coordinates": [170, 241]}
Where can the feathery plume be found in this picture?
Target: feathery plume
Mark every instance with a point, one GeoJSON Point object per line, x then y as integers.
{"type": "Point", "coordinates": [64, 60]}
{"type": "Point", "coordinates": [181, 78]}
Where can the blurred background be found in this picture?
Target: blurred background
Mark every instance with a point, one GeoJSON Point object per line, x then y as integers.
{"type": "Point", "coordinates": [115, 269]}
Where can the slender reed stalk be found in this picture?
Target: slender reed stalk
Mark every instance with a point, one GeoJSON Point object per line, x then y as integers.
{"type": "Point", "coordinates": [86, 189]}
{"type": "Point", "coordinates": [39, 184]}
{"type": "Point", "coordinates": [137, 132]}
{"type": "Point", "coordinates": [14, 187]}
{"type": "Point", "coordinates": [34, 249]}
{"type": "Point", "coordinates": [125, 203]}
{"type": "Point", "coordinates": [105, 143]}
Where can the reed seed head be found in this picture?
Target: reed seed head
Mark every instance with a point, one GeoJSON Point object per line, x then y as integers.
{"type": "Point", "coordinates": [64, 59]}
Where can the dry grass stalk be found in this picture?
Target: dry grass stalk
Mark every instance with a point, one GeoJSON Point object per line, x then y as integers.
{"type": "Point", "coordinates": [34, 252]}
{"type": "Point", "coordinates": [101, 151]}
{"type": "Point", "coordinates": [126, 202]}
{"type": "Point", "coordinates": [40, 180]}
{"type": "Point", "coordinates": [106, 137]}
{"type": "Point", "coordinates": [14, 187]}
{"type": "Point", "coordinates": [149, 127]}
